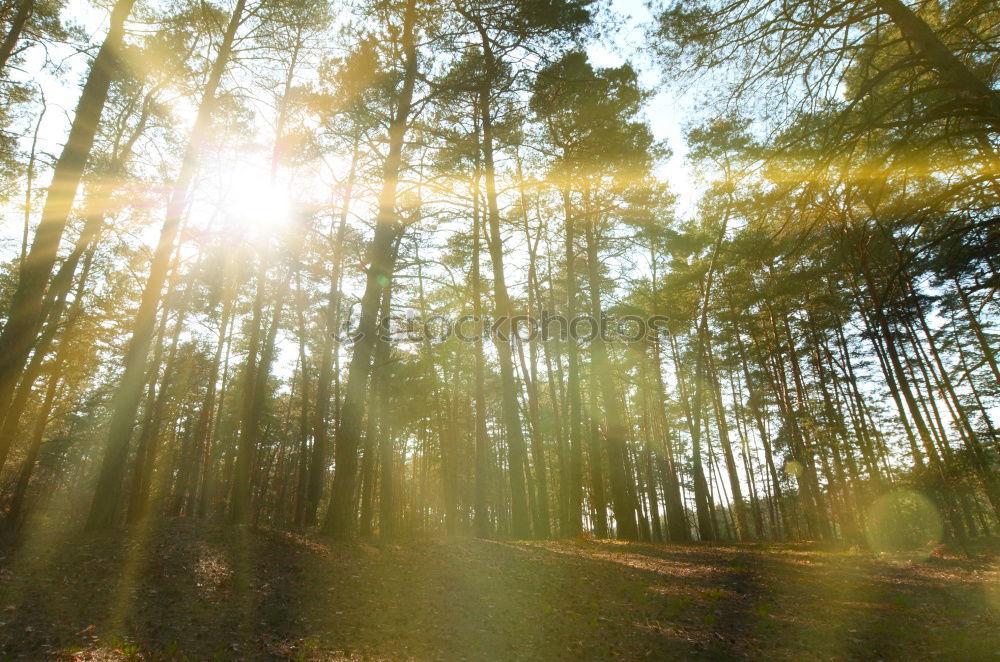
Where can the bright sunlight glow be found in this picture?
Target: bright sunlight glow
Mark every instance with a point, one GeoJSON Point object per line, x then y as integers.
{"type": "Point", "coordinates": [255, 202]}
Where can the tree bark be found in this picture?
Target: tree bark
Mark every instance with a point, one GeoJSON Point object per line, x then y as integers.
{"type": "Point", "coordinates": [340, 518]}
{"type": "Point", "coordinates": [125, 401]}
{"type": "Point", "coordinates": [26, 311]}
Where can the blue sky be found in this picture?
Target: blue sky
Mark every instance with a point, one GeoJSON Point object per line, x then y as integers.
{"type": "Point", "coordinates": [668, 105]}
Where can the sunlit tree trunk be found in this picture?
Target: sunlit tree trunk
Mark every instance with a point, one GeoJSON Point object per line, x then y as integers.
{"type": "Point", "coordinates": [573, 378]}
{"type": "Point", "coordinates": [503, 310]}
{"type": "Point", "coordinates": [621, 500]}
{"type": "Point", "coordinates": [128, 391]}
{"type": "Point", "coordinates": [482, 450]}
{"type": "Point", "coordinates": [378, 416]}
{"type": "Point", "coordinates": [331, 342]}
{"type": "Point", "coordinates": [25, 311]}
{"type": "Point", "coordinates": [340, 518]}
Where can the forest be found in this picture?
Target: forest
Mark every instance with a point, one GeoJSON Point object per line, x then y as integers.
{"type": "Point", "coordinates": [649, 324]}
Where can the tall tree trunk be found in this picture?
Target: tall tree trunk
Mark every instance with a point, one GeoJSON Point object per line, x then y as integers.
{"type": "Point", "coordinates": [204, 430]}
{"type": "Point", "coordinates": [149, 442]}
{"type": "Point", "coordinates": [250, 432]}
{"type": "Point", "coordinates": [301, 461]}
{"type": "Point", "coordinates": [503, 308]}
{"type": "Point", "coordinates": [598, 500]}
{"type": "Point", "coordinates": [692, 412]}
{"type": "Point", "coordinates": [949, 67]}
{"type": "Point", "coordinates": [778, 512]}
{"type": "Point", "coordinates": [482, 450]}
{"type": "Point", "coordinates": [739, 507]}
{"type": "Point", "coordinates": [25, 310]}
{"type": "Point", "coordinates": [340, 518]}
{"type": "Point", "coordinates": [321, 435]}
{"type": "Point", "coordinates": [543, 525]}
{"type": "Point", "coordinates": [575, 408]}
{"type": "Point", "coordinates": [125, 401]}
{"type": "Point", "coordinates": [24, 10]}
{"type": "Point", "coordinates": [677, 526]}
{"type": "Point", "coordinates": [377, 413]}
{"type": "Point", "coordinates": [622, 501]}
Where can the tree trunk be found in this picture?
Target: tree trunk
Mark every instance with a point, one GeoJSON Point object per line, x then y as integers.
{"type": "Point", "coordinates": [575, 408]}
{"type": "Point", "coordinates": [622, 501]}
{"type": "Point", "coordinates": [739, 507]}
{"type": "Point", "coordinates": [483, 452]}
{"type": "Point", "coordinates": [503, 310]}
{"type": "Point", "coordinates": [24, 10]}
{"type": "Point", "coordinates": [318, 458]}
{"type": "Point", "coordinates": [952, 70]}
{"type": "Point", "coordinates": [125, 401]}
{"type": "Point", "coordinates": [340, 518]}
{"type": "Point", "coordinates": [25, 310]}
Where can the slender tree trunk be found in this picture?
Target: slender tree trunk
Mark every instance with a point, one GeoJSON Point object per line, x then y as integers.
{"type": "Point", "coordinates": [543, 525]}
{"type": "Point", "coordinates": [677, 526]}
{"type": "Point", "coordinates": [305, 421]}
{"type": "Point", "coordinates": [125, 401]}
{"type": "Point", "coordinates": [598, 500]}
{"type": "Point", "coordinates": [24, 10]}
{"type": "Point", "coordinates": [149, 442]}
{"type": "Point", "coordinates": [692, 412]}
{"type": "Point", "coordinates": [503, 309]}
{"type": "Point", "coordinates": [340, 518]}
{"type": "Point", "coordinates": [780, 516]}
{"type": "Point", "coordinates": [318, 458]}
{"type": "Point", "coordinates": [250, 432]}
{"type": "Point", "coordinates": [25, 310]}
{"type": "Point", "coordinates": [378, 413]}
{"type": "Point", "coordinates": [743, 531]}
{"type": "Point", "coordinates": [949, 67]}
{"type": "Point", "coordinates": [621, 500]}
{"type": "Point", "coordinates": [204, 430]}
{"type": "Point", "coordinates": [483, 453]}
{"type": "Point", "coordinates": [575, 408]}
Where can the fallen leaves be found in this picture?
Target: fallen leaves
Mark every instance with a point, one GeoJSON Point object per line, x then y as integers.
{"type": "Point", "coordinates": [202, 592]}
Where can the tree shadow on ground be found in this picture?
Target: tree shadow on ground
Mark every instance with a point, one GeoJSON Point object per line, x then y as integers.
{"type": "Point", "coordinates": [177, 590]}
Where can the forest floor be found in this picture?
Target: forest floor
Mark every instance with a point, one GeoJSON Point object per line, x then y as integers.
{"type": "Point", "coordinates": [188, 591]}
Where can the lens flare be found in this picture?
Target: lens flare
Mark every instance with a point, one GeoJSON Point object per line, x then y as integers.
{"type": "Point", "coordinates": [904, 520]}
{"type": "Point", "coordinates": [794, 468]}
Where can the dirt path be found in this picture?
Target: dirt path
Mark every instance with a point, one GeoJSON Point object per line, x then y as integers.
{"type": "Point", "coordinates": [183, 592]}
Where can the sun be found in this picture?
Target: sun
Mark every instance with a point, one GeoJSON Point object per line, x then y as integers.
{"type": "Point", "coordinates": [255, 202]}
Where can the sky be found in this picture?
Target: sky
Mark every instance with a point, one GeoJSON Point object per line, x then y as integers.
{"type": "Point", "coordinates": [666, 108]}
{"type": "Point", "coordinates": [664, 112]}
